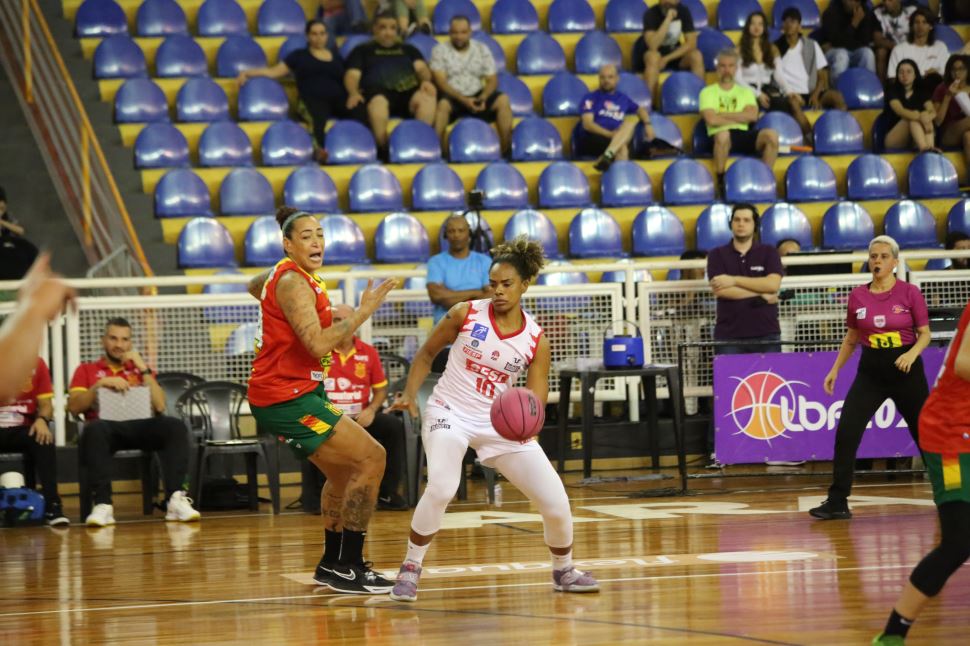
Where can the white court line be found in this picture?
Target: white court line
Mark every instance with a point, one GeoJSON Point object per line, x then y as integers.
{"type": "Point", "coordinates": [181, 604]}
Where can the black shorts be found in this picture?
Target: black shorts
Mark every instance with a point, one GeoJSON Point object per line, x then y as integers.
{"type": "Point", "coordinates": [459, 110]}
{"type": "Point", "coordinates": [743, 141]}
{"type": "Point", "coordinates": [640, 50]}
{"type": "Point", "coordinates": [590, 144]}
{"type": "Point", "coordinates": [399, 103]}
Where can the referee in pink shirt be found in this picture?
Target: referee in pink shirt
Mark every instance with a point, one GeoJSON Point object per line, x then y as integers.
{"type": "Point", "coordinates": [888, 318]}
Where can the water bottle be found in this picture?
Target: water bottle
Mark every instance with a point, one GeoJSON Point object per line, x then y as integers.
{"type": "Point", "coordinates": [497, 494]}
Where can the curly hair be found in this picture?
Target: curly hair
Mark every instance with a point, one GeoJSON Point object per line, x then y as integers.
{"type": "Point", "coordinates": [746, 45]}
{"type": "Point", "coordinates": [526, 256]}
{"type": "Point", "coordinates": [283, 218]}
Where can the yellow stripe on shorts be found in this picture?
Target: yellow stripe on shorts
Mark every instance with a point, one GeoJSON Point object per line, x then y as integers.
{"type": "Point", "coordinates": [316, 425]}
{"type": "Point", "coordinates": [951, 472]}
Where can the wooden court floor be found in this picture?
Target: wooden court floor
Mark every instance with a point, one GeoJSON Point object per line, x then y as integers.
{"type": "Point", "coordinates": [738, 561]}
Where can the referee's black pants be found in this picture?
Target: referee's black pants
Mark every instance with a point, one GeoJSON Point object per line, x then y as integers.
{"type": "Point", "coordinates": [876, 381]}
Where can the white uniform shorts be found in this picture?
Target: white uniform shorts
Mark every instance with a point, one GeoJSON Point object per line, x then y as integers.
{"type": "Point", "coordinates": [476, 433]}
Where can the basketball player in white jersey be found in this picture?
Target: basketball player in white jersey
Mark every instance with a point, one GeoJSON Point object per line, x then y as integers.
{"type": "Point", "coordinates": [492, 340]}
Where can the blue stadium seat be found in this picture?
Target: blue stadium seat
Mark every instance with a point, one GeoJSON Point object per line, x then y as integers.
{"type": "Point", "coordinates": [698, 13]}
{"type": "Point", "coordinates": [789, 132]}
{"type": "Point", "coordinates": [625, 183]}
{"type": "Point", "coordinates": [204, 243]}
{"type": "Point", "coordinates": [374, 188]}
{"type": "Point", "coordinates": [445, 11]}
{"type": "Point", "coordinates": [345, 241]}
{"type": "Point", "coordinates": [634, 87]}
{"type": "Point", "coordinates": [238, 53]}
{"type": "Point", "coordinates": [497, 52]}
{"type": "Point", "coordinates": [783, 220]}
{"type": "Point", "coordinates": [310, 189]}
{"type": "Point", "coordinates": [870, 177]}
{"type": "Point", "coordinates": [224, 143]}
{"type": "Point", "coordinates": [911, 224]}
{"type": "Point", "coordinates": [520, 97]}
{"type": "Point", "coordinates": [949, 36]}
{"type": "Point", "coordinates": [658, 232]}
{"type": "Point", "coordinates": [99, 18]}
{"type": "Point", "coordinates": [286, 143]}
{"type": "Point", "coordinates": [624, 15]}
{"type": "Point", "coordinates": [140, 101]}
{"type": "Point", "coordinates": [710, 42]}
{"type": "Point", "coordinates": [535, 139]}
{"type": "Point", "coordinates": [350, 42]}
{"type": "Point", "coordinates": [810, 179]}
{"type": "Point", "coordinates": [562, 184]}
{"type": "Point", "coordinates": [180, 55]}
{"type": "Point", "coordinates": [811, 19]}
{"type": "Point", "coordinates": [229, 313]}
{"type": "Point", "coordinates": [837, 133]}
{"type": "Point", "coordinates": [290, 45]}
{"type": "Point", "coordinates": [160, 18]}
{"type": "Point", "coordinates": [680, 93]}
{"type": "Point", "coordinates": [932, 175]}
{"type": "Point", "coordinates": [423, 42]}
{"type": "Point", "coordinates": [514, 17]}
{"type": "Point", "coordinates": [161, 145]}
{"type": "Point", "coordinates": [571, 16]}
{"type": "Point", "coordinates": [595, 49]}
{"type": "Point", "coordinates": [119, 57]}
{"type": "Point", "coordinates": [201, 99]}
{"type": "Point", "coordinates": [474, 221]}
{"type": "Point", "coordinates": [562, 95]}
{"type": "Point", "coordinates": [245, 191]}
{"type": "Point", "coordinates": [619, 275]}
{"type": "Point", "coordinates": [400, 237]}
{"type": "Point", "coordinates": [473, 140]}
{"type": "Point", "coordinates": [280, 18]}
{"type": "Point", "coordinates": [221, 18]}
{"type": "Point", "coordinates": [713, 227]}
{"type": "Point", "coordinates": [414, 142]}
{"type": "Point", "coordinates": [701, 143]}
{"type": "Point", "coordinates": [263, 244]}
{"type": "Point", "coordinates": [938, 264]}
{"type": "Point", "coordinates": [687, 181]}
{"type": "Point", "coordinates": [539, 53]}
{"type": "Point", "coordinates": [664, 127]}
{"type": "Point", "coordinates": [503, 186]}
{"type": "Point", "coordinates": [242, 340]}
{"type": "Point", "coordinates": [350, 142]}
{"type": "Point", "coordinates": [565, 276]}
{"type": "Point", "coordinates": [535, 226]}
{"type": "Point", "coordinates": [958, 219]}
{"type": "Point", "coordinates": [861, 88]}
{"type": "Point", "coordinates": [749, 180]}
{"type": "Point", "coordinates": [846, 226]}
{"type": "Point", "coordinates": [437, 188]}
{"type": "Point", "coordinates": [732, 14]}
{"type": "Point", "coordinates": [595, 234]}
{"type": "Point", "coordinates": [182, 193]}
{"type": "Point", "coordinates": [262, 99]}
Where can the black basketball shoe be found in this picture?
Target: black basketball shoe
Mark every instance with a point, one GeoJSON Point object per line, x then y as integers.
{"type": "Point", "coordinates": [357, 579]}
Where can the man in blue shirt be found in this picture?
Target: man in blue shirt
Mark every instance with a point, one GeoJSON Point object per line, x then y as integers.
{"type": "Point", "coordinates": [606, 130]}
{"type": "Point", "coordinates": [457, 274]}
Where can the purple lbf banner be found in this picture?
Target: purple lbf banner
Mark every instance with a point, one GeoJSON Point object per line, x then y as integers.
{"type": "Point", "coordinates": [773, 407]}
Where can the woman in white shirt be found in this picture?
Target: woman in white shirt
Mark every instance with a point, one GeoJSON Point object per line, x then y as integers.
{"type": "Point", "coordinates": [923, 48]}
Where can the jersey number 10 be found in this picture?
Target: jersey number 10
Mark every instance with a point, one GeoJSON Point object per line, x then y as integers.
{"type": "Point", "coordinates": [486, 387]}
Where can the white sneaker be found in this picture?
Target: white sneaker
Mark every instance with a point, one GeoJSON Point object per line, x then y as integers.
{"type": "Point", "coordinates": [101, 516]}
{"type": "Point", "coordinates": [180, 508]}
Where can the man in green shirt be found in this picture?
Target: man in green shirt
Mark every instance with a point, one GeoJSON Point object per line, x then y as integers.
{"type": "Point", "coordinates": [729, 111]}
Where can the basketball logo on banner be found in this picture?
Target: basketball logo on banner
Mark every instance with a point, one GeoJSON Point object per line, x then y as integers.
{"type": "Point", "coordinates": [756, 405]}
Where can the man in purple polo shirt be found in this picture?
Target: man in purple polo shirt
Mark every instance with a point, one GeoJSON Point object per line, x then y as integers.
{"type": "Point", "coordinates": [745, 276]}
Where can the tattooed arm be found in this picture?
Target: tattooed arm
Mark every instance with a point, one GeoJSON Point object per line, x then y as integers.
{"type": "Point", "coordinates": [256, 284]}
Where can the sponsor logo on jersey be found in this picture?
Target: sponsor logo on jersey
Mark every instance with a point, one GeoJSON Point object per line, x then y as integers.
{"type": "Point", "coordinates": [441, 403]}
{"type": "Point", "coordinates": [511, 367]}
{"type": "Point", "coordinates": [343, 383]}
{"type": "Point", "coordinates": [471, 352]}
{"type": "Point", "coordinates": [495, 355]}
{"type": "Point", "coordinates": [518, 360]}
{"type": "Point", "coordinates": [860, 313]}
{"type": "Point", "coordinates": [488, 372]}
{"type": "Point", "coordinates": [440, 423]}
{"type": "Point", "coordinates": [316, 375]}
{"type": "Point", "coordinates": [475, 343]}
{"type": "Point", "coordinates": [900, 309]}
{"type": "Point", "coordinates": [362, 357]}
{"type": "Point", "coordinates": [480, 331]}
{"type": "Point", "coordinates": [879, 321]}
{"type": "Point", "coordinates": [360, 371]}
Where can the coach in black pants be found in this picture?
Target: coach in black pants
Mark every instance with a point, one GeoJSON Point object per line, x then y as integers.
{"type": "Point", "coordinates": [888, 318]}
{"type": "Point", "coordinates": [119, 369]}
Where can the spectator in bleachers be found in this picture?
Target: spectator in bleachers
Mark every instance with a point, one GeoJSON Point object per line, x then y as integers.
{"type": "Point", "coordinates": [787, 246]}
{"type": "Point", "coordinates": [467, 79]}
{"type": "Point", "coordinates": [951, 99]}
{"type": "Point", "coordinates": [25, 428]}
{"type": "Point", "coordinates": [669, 42]}
{"type": "Point", "coordinates": [459, 274]}
{"type": "Point", "coordinates": [803, 71]}
{"type": "Point", "coordinates": [319, 73]}
{"type": "Point", "coordinates": [909, 111]}
{"type": "Point", "coordinates": [357, 385]}
{"type": "Point", "coordinates": [922, 47]}
{"type": "Point", "coordinates": [607, 124]}
{"type": "Point", "coordinates": [391, 78]}
{"type": "Point", "coordinates": [412, 15]}
{"type": "Point", "coordinates": [759, 68]}
{"type": "Point", "coordinates": [121, 368]}
{"type": "Point", "coordinates": [730, 110]}
{"type": "Point", "coordinates": [343, 17]}
{"type": "Point", "coordinates": [846, 36]}
{"type": "Point", "coordinates": [958, 241]}
{"type": "Point", "coordinates": [17, 253]}
{"type": "Point", "coordinates": [893, 19]}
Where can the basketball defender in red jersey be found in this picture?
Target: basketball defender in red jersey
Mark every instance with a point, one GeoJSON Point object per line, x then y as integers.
{"type": "Point", "coordinates": [492, 340]}
{"type": "Point", "coordinates": [944, 436]}
{"type": "Point", "coordinates": [293, 349]}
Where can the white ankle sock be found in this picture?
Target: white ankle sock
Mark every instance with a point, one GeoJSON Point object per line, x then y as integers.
{"type": "Point", "coordinates": [416, 552]}
{"type": "Point", "coordinates": [562, 562]}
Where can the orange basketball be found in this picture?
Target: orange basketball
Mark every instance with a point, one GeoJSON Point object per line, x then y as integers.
{"type": "Point", "coordinates": [517, 414]}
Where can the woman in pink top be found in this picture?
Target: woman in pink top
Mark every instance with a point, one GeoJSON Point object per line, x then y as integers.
{"type": "Point", "coordinates": [888, 318]}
